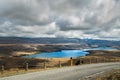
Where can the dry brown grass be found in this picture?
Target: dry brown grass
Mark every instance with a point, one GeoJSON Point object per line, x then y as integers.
{"type": "Point", "coordinates": [17, 71]}
{"type": "Point", "coordinates": [110, 75]}
{"type": "Point", "coordinates": [51, 63]}
{"type": "Point", "coordinates": [12, 64]}
{"type": "Point", "coordinates": [96, 59]}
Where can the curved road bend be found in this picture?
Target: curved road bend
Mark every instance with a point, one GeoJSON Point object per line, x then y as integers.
{"type": "Point", "coordinates": [66, 73]}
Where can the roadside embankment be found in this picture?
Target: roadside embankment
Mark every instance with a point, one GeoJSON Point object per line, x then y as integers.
{"type": "Point", "coordinates": [110, 75]}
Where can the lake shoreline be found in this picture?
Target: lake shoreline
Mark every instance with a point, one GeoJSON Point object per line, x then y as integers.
{"type": "Point", "coordinates": [68, 53]}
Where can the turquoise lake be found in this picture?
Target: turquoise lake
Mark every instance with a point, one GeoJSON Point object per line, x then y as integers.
{"type": "Point", "coordinates": [65, 53]}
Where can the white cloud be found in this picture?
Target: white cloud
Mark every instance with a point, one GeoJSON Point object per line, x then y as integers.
{"type": "Point", "coordinates": [62, 18]}
{"type": "Point", "coordinates": [28, 31]}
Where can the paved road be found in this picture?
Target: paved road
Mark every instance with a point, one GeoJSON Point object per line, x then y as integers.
{"type": "Point", "coordinates": [66, 73]}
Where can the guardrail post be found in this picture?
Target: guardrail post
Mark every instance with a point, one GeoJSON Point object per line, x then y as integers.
{"type": "Point", "coordinates": [103, 59]}
{"type": "Point", "coordinates": [45, 65]}
{"type": "Point", "coordinates": [2, 69]}
{"type": "Point", "coordinates": [26, 68]}
{"type": "Point", "coordinates": [96, 60]}
{"type": "Point", "coordinates": [81, 61]}
{"type": "Point", "coordinates": [60, 64]}
{"type": "Point", "coordinates": [17, 71]}
{"type": "Point", "coordinates": [71, 62]}
{"type": "Point", "coordinates": [115, 60]}
{"type": "Point", "coordinates": [90, 60]}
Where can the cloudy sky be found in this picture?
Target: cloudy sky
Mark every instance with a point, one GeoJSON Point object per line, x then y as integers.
{"type": "Point", "coordinates": [99, 19]}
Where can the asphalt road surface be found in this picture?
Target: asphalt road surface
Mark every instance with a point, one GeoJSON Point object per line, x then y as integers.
{"type": "Point", "coordinates": [81, 72]}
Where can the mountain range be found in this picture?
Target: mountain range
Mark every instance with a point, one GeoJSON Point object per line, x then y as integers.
{"type": "Point", "coordinates": [84, 42]}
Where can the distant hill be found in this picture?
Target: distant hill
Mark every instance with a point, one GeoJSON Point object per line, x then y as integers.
{"type": "Point", "coordinates": [17, 40]}
{"type": "Point", "coordinates": [101, 43]}
{"type": "Point", "coordinates": [82, 42]}
{"type": "Point", "coordinates": [21, 44]}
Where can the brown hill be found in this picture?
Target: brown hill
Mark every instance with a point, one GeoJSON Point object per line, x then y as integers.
{"type": "Point", "coordinates": [104, 53]}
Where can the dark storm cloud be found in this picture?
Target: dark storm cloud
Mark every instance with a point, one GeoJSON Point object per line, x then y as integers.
{"type": "Point", "coordinates": [61, 18]}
